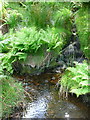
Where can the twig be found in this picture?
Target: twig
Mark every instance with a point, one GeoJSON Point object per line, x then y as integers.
{"type": "Point", "coordinates": [28, 94]}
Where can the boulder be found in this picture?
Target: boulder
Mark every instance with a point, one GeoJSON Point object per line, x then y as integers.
{"type": "Point", "coordinates": [36, 63]}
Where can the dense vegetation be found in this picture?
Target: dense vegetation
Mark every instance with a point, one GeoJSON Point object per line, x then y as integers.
{"type": "Point", "coordinates": [29, 41]}
{"type": "Point", "coordinates": [76, 79]}
{"type": "Point", "coordinates": [11, 94]}
{"type": "Point", "coordinates": [82, 23]}
{"type": "Point", "coordinates": [37, 26]}
{"type": "Point", "coordinates": [40, 30]}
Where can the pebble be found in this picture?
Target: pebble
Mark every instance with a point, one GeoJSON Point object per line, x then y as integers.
{"type": "Point", "coordinates": [53, 78]}
{"type": "Point", "coordinates": [46, 81]}
{"type": "Point", "coordinates": [66, 115]}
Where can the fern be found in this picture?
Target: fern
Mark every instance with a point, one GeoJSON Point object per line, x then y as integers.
{"type": "Point", "coordinates": [13, 18]}
{"type": "Point", "coordinates": [82, 24]}
{"type": "Point", "coordinates": [29, 41]}
{"type": "Point", "coordinates": [77, 79]}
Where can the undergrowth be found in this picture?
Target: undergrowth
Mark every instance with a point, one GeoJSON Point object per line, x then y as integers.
{"type": "Point", "coordinates": [38, 14]}
{"type": "Point", "coordinates": [82, 24]}
{"type": "Point", "coordinates": [13, 18]}
{"type": "Point", "coordinates": [11, 94]}
{"type": "Point", "coordinates": [29, 40]}
{"type": "Point", "coordinates": [33, 26]}
{"type": "Point", "coordinates": [76, 79]}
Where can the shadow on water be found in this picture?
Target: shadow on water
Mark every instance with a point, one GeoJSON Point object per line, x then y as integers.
{"type": "Point", "coordinates": [46, 102]}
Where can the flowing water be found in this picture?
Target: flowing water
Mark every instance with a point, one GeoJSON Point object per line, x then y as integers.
{"type": "Point", "coordinates": [46, 102]}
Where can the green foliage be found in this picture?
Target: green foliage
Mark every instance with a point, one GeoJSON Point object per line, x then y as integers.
{"type": "Point", "coordinates": [18, 45]}
{"type": "Point", "coordinates": [5, 41]}
{"type": "Point", "coordinates": [77, 79]}
{"type": "Point", "coordinates": [4, 46]}
{"type": "Point", "coordinates": [39, 14]}
{"type": "Point", "coordinates": [82, 24]}
{"type": "Point", "coordinates": [52, 14]}
{"type": "Point", "coordinates": [62, 18]}
{"type": "Point", "coordinates": [29, 41]}
{"type": "Point", "coordinates": [10, 16]}
{"type": "Point", "coordinates": [13, 18]}
{"type": "Point", "coordinates": [11, 94]}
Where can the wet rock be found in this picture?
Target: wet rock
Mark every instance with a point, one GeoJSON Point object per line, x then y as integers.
{"type": "Point", "coordinates": [4, 28]}
{"type": "Point", "coordinates": [70, 54]}
{"type": "Point", "coordinates": [53, 78]}
{"type": "Point", "coordinates": [17, 67]}
{"type": "Point", "coordinates": [36, 64]}
{"type": "Point", "coordinates": [86, 99]}
{"type": "Point", "coordinates": [45, 61]}
{"type": "Point", "coordinates": [46, 81]}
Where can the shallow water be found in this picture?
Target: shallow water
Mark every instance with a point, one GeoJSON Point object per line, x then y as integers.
{"type": "Point", "coordinates": [46, 102]}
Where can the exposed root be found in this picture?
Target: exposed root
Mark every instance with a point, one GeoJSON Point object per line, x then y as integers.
{"type": "Point", "coordinates": [63, 92]}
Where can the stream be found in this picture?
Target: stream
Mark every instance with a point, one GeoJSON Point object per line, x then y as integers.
{"type": "Point", "coordinates": [46, 102]}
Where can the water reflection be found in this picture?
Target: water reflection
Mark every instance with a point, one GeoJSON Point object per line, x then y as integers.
{"type": "Point", "coordinates": [46, 102]}
{"type": "Point", "coordinates": [37, 108]}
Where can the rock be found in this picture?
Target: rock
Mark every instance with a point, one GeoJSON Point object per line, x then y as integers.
{"type": "Point", "coordinates": [53, 78]}
{"type": "Point", "coordinates": [17, 67]}
{"type": "Point", "coordinates": [46, 81]}
{"type": "Point", "coordinates": [4, 28]}
{"type": "Point", "coordinates": [44, 61]}
{"type": "Point", "coordinates": [86, 99]}
{"type": "Point", "coordinates": [70, 54]}
{"type": "Point", "coordinates": [36, 63]}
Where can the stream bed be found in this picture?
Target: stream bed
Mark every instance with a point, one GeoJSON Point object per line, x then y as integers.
{"type": "Point", "coordinates": [46, 102]}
